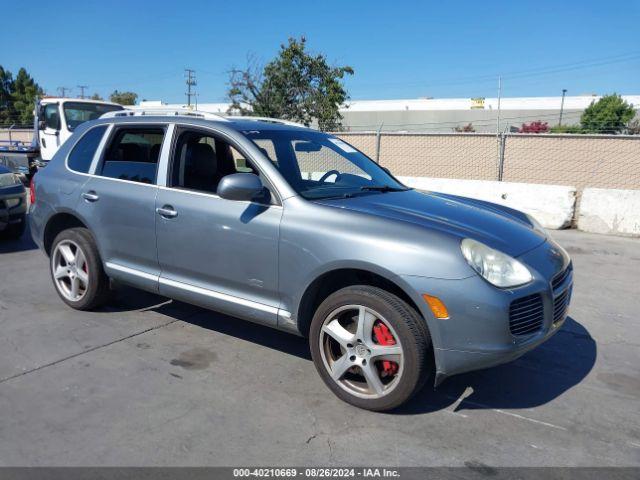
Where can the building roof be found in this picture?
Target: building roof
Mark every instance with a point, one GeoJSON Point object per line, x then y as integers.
{"type": "Point", "coordinates": [578, 102]}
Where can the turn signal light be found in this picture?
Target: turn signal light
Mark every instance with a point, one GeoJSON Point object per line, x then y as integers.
{"type": "Point", "coordinates": [437, 307]}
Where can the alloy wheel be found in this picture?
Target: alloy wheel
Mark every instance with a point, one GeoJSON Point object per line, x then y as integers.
{"type": "Point", "coordinates": [361, 351]}
{"type": "Point", "coordinates": [70, 270]}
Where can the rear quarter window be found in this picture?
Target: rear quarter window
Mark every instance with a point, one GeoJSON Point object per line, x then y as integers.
{"type": "Point", "coordinates": [82, 153]}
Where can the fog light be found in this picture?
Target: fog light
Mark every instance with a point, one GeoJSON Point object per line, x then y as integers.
{"type": "Point", "coordinates": [436, 306]}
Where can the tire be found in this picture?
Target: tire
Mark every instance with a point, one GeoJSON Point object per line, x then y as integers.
{"type": "Point", "coordinates": [333, 348]}
{"type": "Point", "coordinates": [15, 230]}
{"type": "Point", "coordinates": [93, 284]}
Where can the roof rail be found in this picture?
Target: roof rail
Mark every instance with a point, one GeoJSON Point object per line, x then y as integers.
{"type": "Point", "coordinates": [159, 111]}
{"type": "Point", "coordinates": [266, 119]}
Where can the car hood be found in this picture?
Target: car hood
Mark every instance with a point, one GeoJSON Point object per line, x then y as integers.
{"type": "Point", "coordinates": [499, 227]}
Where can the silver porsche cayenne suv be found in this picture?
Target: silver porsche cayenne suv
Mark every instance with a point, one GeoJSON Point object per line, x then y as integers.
{"type": "Point", "coordinates": [293, 228]}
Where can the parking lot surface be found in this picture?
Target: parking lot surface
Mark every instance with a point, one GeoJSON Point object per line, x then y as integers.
{"type": "Point", "coordinates": [148, 381]}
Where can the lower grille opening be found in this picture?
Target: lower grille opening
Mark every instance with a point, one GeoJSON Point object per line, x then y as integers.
{"type": "Point", "coordinates": [526, 315]}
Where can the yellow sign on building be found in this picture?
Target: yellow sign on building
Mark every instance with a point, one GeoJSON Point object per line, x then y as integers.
{"type": "Point", "coordinates": [477, 102]}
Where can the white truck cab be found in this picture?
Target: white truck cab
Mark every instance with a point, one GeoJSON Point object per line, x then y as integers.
{"type": "Point", "coordinates": [58, 117]}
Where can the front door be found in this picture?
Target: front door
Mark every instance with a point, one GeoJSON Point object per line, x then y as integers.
{"type": "Point", "coordinates": [219, 253]}
{"type": "Point", "coordinates": [49, 136]}
{"type": "Point", "coordinates": [118, 203]}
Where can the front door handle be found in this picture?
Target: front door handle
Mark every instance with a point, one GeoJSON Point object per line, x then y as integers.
{"type": "Point", "coordinates": [90, 196]}
{"type": "Point", "coordinates": [167, 211]}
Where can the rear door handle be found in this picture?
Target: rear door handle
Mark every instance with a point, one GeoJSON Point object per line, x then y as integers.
{"type": "Point", "coordinates": [167, 211]}
{"type": "Point", "coordinates": [90, 196]}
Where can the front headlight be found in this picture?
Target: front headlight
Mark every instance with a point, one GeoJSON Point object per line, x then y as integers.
{"type": "Point", "coordinates": [9, 179]}
{"type": "Point", "coordinates": [495, 267]}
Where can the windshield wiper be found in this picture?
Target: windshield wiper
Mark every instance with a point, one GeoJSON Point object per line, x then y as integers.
{"type": "Point", "coordinates": [382, 188]}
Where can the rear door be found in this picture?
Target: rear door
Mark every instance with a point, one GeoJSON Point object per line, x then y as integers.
{"type": "Point", "coordinates": [118, 203]}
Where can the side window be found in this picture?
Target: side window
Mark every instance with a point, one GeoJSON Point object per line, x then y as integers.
{"type": "Point", "coordinates": [52, 116]}
{"type": "Point", "coordinates": [200, 160]}
{"type": "Point", "coordinates": [82, 154]}
{"type": "Point", "coordinates": [268, 149]}
{"type": "Point", "coordinates": [133, 154]}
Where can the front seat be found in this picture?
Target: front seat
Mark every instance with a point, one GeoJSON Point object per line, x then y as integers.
{"type": "Point", "coordinates": [201, 172]}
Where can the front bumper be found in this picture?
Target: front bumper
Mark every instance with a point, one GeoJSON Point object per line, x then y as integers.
{"type": "Point", "coordinates": [13, 205]}
{"type": "Point", "coordinates": [477, 333]}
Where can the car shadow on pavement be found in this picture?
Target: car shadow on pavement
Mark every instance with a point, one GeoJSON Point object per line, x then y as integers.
{"type": "Point", "coordinates": [130, 299]}
{"type": "Point", "coordinates": [536, 378]}
{"type": "Point", "coordinates": [25, 242]}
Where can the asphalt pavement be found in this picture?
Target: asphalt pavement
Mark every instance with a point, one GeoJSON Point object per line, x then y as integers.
{"type": "Point", "coordinates": [148, 381]}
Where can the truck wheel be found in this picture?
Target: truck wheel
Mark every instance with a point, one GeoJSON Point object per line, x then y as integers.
{"type": "Point", "coordinates": [370, 347]}
{"type": "Point", "coordinates": [76, 270]}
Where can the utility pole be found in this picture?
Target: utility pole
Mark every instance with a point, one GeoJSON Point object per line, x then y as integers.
{"type": "Point", "coordinates": [191, 81]}
{"type": "Point", "coordinates": [63, 91]}
{"type": "Point", "coordinates": [82, 87]}
{"type": "Point", "coordinates": [499, 98]}
{"type": "Point", "coordinates": [564, 92]}
{"type": "Point", "coordinates": [499, 138]}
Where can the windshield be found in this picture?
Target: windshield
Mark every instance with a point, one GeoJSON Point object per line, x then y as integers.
{"type": "Point", "coordinates": [76, 113]}
{"type": "Point", "coordinates": [318, 165]}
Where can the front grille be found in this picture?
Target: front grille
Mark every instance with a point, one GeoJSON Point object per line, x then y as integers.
{"type": "Point", "coordinates": [560, 305]}
{"type": "Point", "coordinates": [526, 315]}
{"type": "Point", "coordinates": [561, 277]}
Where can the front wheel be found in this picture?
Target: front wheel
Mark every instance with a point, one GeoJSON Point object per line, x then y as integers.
{"type": "Point", "coordinates": [370, 347]}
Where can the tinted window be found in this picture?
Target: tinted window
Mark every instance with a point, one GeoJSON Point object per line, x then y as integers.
{"type": "Point", "coordinates": [51, 116]}
{"type": "Point", "coordinates": [82, 154]}
{"type": "Point", "coordinates": [77, 113]}
{"type": "Point", "coordinates": [133, 155]}
{"type": "Point", "coordinates": [200, 161]}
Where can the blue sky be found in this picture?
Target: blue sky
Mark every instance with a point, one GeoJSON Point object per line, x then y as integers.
{"type": "Point", "coordinates": [399, 49]}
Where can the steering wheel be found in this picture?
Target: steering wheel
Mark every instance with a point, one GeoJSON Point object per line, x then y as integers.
{"type": "Point", "coordinates": [328, 174]}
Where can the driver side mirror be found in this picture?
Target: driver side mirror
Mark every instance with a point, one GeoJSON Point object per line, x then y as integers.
{"type": "Point", "coordinates": [240, 186]}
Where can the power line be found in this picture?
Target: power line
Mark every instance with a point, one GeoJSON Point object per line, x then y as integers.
{"type": "Point", "coordinates": [558, 68]}
{"type": "Point", "coordinates": [63, 91]}
{"type": "Point", "coordinates": [82, 87]}
{"type": "Point", "coordinates": [191, 81]}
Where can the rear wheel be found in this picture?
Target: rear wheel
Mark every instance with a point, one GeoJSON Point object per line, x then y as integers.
{"type": "Point", "coordinates": [76, 270]}
{"type": "Point", "coordinates": [370, 347]}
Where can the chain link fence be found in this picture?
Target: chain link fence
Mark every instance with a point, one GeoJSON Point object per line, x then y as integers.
{"type": "Point", "coordinates": [602, 161]}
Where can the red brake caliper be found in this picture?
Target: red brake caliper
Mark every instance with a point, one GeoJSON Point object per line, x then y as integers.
{"type": "Point", "coordinates": [384, 337]}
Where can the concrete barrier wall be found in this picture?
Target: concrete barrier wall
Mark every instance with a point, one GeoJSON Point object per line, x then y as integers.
{"type": "Point", "coordinates": [610, 211]}
{"type": "Point", "coordinates": [552, 205]}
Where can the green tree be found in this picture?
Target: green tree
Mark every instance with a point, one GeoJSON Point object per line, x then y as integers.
{"type": "Point", "coordinates": [95, 96]}
{"type": "Point", "coordinates": [566, 129]}
{"type": "Point", "coordinates": [24, 94]}
{"type": "Point", "coordinates": [123, 98]}
{"type": "Point", "coordinates": [610, 114]}
{"type": "Point", "coordinates": [7, 112]}
{"type": "Point", "coordinates": [296, 85]}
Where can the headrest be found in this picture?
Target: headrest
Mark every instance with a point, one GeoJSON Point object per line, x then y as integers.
{"type": "Point", "coordinates": [130, 152]}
